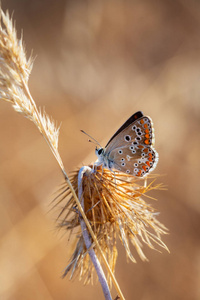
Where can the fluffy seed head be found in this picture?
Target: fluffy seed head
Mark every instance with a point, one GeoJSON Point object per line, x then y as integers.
{"type": "Point", "coordinates": [114, 205]}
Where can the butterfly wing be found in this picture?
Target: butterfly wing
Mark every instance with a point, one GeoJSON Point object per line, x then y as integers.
{"type": "Point", "coordinates": [130, 150]}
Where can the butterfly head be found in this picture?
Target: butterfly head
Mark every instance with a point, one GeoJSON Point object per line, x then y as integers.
{"type": "Point", "coordinates": [100, 153]}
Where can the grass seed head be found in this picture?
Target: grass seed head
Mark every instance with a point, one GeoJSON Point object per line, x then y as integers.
{"type": "Point", "coordinates": [115, 206]}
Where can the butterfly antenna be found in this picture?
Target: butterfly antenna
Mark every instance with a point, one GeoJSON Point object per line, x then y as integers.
{"type": "Point", "coordinates": [92, 139]}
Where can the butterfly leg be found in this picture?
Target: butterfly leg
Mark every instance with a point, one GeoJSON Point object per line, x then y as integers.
{"type": "Point", "coordinates": [95, 165]}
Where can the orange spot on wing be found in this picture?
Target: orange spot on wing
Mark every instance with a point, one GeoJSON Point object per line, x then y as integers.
{"type": "Point", "coordinates": [148, 163]}
{"type": "Point", "coordinates": [146, 142]}
{"type": "Point", "coordinates": [140, 146]}
{"type": "Point", "coordinates": [145, 168]}
{"type": "Point", "coordinates": [139, 173]}
{"type": "Point", "coordinates": [147, 136]}
{"type": "Point", "coordinates": [146, 131]}
{"type": "Point", "coordinates": [142, 122]}
{"type": "Point", "coordinates": [145, 126]}
{"type": "Point", "coordinates": [145, 150]}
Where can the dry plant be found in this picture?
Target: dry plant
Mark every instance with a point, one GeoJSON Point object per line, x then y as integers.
{"type": "Point", "coordinates": [100, 206]}
{"type": "Point", "coordinates": [114, 206]}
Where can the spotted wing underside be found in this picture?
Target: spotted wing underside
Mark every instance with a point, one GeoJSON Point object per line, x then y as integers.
{"type": "Point", "coordinates": [130, 149]}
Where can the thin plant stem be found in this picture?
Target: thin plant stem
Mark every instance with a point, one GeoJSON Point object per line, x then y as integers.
{"type": "Point", "coordinates": [115, 283]}
{"type": "Point", "coordinates": [95, 261]}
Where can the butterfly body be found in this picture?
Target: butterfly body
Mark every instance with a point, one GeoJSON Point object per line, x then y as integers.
{"type": "Point", "coordinates": [130, 150]}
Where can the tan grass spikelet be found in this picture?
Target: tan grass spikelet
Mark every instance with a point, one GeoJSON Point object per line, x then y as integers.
{"type": "Point", "coordinates": [14, 74]}
{"type": "Point", "coordinates": [114, 205]}
{"type": "Point", "coordinates": [13, 52]}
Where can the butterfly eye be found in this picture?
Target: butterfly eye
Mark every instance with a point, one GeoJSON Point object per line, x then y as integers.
{"type": "Point", "coordinates": [100, 151]}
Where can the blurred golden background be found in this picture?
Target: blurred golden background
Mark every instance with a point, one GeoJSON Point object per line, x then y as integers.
{"type": "Point", "coordinates": [98, 62]}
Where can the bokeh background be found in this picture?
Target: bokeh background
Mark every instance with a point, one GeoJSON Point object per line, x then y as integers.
{"type": "Point", "coordinates": [98, 62]}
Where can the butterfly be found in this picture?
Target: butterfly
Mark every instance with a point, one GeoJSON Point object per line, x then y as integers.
{"type": "Point", "coordinates": [130, 150]}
